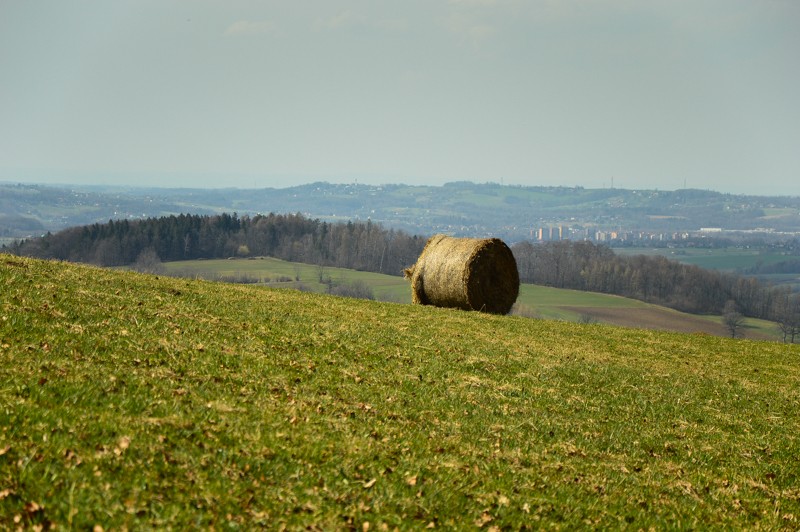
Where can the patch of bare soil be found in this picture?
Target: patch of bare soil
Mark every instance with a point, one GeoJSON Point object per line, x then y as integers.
{"type": "Point", "coordinates": [661, 319]}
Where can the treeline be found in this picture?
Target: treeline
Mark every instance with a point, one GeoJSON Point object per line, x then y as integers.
{"type": "Point", "coordinates": [292, 237]}
{"type": "Point", "coordinates": [782, 267]}
{"type": "Point", "coordinates": [596, 268]}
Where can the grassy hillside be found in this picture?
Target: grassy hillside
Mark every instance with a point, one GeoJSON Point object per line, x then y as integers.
{"type": "Point", "coordinates": [133, 401]}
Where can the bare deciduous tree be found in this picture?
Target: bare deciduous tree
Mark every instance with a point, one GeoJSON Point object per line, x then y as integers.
{"type": "Point", "coordinates": [733, 319]}
{"type": "Point", "coordinates": [787, 315]}
{"type": "Point", "coordinates": [148, 261]}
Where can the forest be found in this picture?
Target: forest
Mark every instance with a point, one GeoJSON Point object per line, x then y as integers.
{"type": "Point", "coordinates": [360, 246]}
{"type": "Point", "coordinates": [368, 246]}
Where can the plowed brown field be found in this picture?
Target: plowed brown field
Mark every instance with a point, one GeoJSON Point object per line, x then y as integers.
{"type": "Point", "coordinates": [660, 319]}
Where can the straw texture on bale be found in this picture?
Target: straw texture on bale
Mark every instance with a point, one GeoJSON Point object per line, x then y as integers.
{"type": "Point", "coordinates": [465, 273]}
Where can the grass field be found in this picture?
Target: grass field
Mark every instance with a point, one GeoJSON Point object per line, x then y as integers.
{"type": "Point", "coordinates": [270, 271]}
{"type": "Point", "coordinates": [134, 402]}
{"type": "Point", "coordinates": [727, 260]}
{"type": "Point", "coordinates": [533, 301]}
{"type": "Point", "coordinates": [724, 259]}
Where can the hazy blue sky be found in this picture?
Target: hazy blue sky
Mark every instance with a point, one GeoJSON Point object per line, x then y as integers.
{"type": "Point", "coordinates": [212, 93]}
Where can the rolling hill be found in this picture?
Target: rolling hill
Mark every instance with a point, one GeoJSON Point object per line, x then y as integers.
{"type": "Point", "coordinates": [131, 401]}
{"type": "Point", "coordinates": [459, 208]}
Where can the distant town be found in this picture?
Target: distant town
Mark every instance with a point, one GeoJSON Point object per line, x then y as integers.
{"type": "Point", "coordinates": [634, 237]}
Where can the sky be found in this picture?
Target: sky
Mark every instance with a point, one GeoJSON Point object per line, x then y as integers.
{"type": "Point", "coordinates": [656, 94]}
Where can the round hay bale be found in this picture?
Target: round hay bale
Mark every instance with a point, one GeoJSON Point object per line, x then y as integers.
{"type": "Point", "coordinates": [466, 273]}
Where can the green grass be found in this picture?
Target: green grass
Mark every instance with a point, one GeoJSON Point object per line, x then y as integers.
{"type": "Point", "coordinates": [724, 259]}
{"type": "Point", "coordinates": [548, 303]}
{"type": "Point", "coordinates": [385, 287]}
{"type": "Point", "coordinates": [554, 297]}
{"type": "Point", "coordinates": [778, 212]}
{"type": "Point", "coordinates": [766, 329]}
{"type": "Point", "coordinates": [134, 402]}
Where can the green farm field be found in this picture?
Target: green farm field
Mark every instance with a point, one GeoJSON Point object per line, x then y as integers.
{"type": "Point", "coordinates": [533, 301]}
{"type": "Point", "coordinates": [724, 259]}
{"type": "Point", "coordinates": [131, 401]}
{"type": "Point", "coordinates": [282, 274]}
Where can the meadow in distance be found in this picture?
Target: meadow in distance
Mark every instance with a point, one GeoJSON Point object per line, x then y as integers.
{"type": "Point", "coordinates": [534, 300]}
{"type": "Point", "coordinates": [142, 401]}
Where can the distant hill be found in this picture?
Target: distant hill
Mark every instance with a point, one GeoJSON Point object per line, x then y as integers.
{"type": "Point", "coordinates": [461, 208]}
